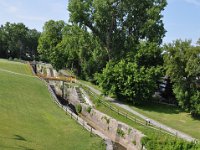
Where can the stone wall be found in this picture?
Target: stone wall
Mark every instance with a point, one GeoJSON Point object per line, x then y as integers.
{"type": "Point", "coordinates": [117, 131]}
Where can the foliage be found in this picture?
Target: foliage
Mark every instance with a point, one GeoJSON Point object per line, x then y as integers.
{"type": "Point", "coordinates": [89, 109]}
{"type": "Point", "coordinates": [168, 144]}
{"type": "Point", "coordinates": [134, 81]}
{"type": "Point", "coordinates": [17, 41]}
{"type": "Point", "coordinates": [182, 64]}
{"type": "Point", "coordinates": [83, 53]}
{"type": "Point", "coordinates": [120, 25]}
{"type": "Point", "coordinates": [120, 132]}
{"type": "Point", "coordinates": [72, 47]}
{"type": "Point", "coordinates": [78, 108]}
{"type": "Point", "coordinates": [49, 39]}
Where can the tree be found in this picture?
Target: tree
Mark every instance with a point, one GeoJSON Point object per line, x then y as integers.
{"type": "Point", "coordinates": [3, 44]}
{"type": "Point", "coordinates": [32, 43]}
{"type": "Point", "coordinates": [120, 25]}
{"type": "Point", "coordinates": [82, 52]}
{"type": "Point", "coordinates": [182, 64]}
{"type": "Point", "coordinates": [17, 41]}
{"type": "Point", "coordinates": [50, 38]}
{"type": "Point", "coordinates": [136, 80]}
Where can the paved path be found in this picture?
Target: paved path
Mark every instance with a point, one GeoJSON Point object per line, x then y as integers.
{"type": "Point", "coordinates": [153, 122]}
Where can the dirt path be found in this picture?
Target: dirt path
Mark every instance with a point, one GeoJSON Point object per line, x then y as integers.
{"type": "Point", "coordinates": [153, 122]}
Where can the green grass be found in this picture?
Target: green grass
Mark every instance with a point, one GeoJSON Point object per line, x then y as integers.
{"type": "Point", "coordinates": [15, 66]}
{"type": "Point", "coordinates": [91, 85]}
{"type": "Point", "coordinates": [30, 120]}
{"type": "Point", "coordinates": [172, 117]}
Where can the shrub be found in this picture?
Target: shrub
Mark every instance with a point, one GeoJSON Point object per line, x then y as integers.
{"type": "Point", "coordinates": [78, 108]}
{"type": "Point", "coordinates": [120, 132]}
{"type": "Point", "coordinates": [89, 109]}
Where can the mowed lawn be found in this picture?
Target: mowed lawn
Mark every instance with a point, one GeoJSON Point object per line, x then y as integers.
{"type": "Point", "coordinates": [30, 120]}
{"type": "Point", "coordinates": [172, 117]}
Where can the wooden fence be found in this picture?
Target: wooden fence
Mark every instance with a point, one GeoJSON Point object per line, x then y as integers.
{"type": "Point", "coordinates": [128, 116]}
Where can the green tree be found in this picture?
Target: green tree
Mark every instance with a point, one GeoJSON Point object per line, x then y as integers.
{"type": "Point", "coordinates": [32, 43]}
{"type": "Point", "coordinates": [15, 36]}
{"type": "Point", "coordinates": [182, 64]}
{"type": "Point", "coordinates": [17, 41]}
{"type": "Point", "coordinates": [136, 80]}
{"type": "Point", "coordinates": [120, 25]}
{"type": "Point", "coordinates": [82, 51]}
{"type": "Point", "coordinates": [50, 38]}
{"type": "Point", "coordinates": [3, 43]}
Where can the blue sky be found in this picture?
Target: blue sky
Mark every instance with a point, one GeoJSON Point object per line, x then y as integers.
{"type": "Point", "coordinates": [181, 17]}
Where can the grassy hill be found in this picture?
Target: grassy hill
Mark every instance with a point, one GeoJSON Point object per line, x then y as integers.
{"type": "Point", "coordinates": [29, 119]}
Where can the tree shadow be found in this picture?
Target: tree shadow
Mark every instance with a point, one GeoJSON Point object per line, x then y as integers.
{"type": "Point", "coordinates": [194, 117]}
{"type": "Point", "coordinates": [152, 107]}
{"type": "Point", "coordinates": [19, 137]}
{"type": "Point", "coordinates": [159, 108]}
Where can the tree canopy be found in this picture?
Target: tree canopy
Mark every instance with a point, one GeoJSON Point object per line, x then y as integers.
{"type": "Point", "coordinates": [182, 64]}
{"type": "Point", "coordinates": [18, 41]}
{"type": "Point", "coordinates": [120, 25]}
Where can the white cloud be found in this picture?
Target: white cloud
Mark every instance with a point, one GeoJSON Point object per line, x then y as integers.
{"type": "Point", "coordinates": [195, 2]}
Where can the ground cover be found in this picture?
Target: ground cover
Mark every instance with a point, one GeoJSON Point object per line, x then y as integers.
{"type": "Point", "coordinates": [29, 119]}
{"type": "Point", "coordinates": [171, 116]}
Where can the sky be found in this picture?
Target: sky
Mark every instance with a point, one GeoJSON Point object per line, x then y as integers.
{"type": "Point", "coordinates": [181, 17]}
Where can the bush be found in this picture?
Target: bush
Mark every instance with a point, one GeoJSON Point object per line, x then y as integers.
{"type": "Point", "coordinates": [89, 109]}
{"type": "Point", "coordinates": [129, 81]}
{"type": "Point", "coordinates": [168, 143]}
{"type": "Point", "coordinates": [120, 132]}
{"type": "Point", "coordinates": [78, 108]}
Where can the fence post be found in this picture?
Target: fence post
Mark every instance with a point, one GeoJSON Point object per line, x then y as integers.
{"type": "Point", "coordinates": [71, 114]}
{"type": "Point", "coordinates": [63, 89]}
{"type": "Point", "coordinates": [91, 131]}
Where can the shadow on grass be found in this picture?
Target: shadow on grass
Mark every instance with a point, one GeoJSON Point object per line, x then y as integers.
{"type": "Point", "coordinates": [159, 108]}
{"type": "Point", "coordinates": [153, 107]}
{"type": "Point", "coordinates": [20, 138]}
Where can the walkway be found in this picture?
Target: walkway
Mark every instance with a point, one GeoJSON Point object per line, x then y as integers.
{"type": "Point", "coordinates": [153, 122]}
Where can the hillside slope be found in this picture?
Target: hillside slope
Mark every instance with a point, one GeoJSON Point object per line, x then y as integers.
{"type": "Point", "coordinates": [29, 119]}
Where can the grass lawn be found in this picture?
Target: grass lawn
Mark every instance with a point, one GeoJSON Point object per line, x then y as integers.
{"type": "Point", "coordinates": [30, 120]}
{"type": "Point", "coordinates": [91, 85]}
{"type": "Point", "coordinates": [172, 117]}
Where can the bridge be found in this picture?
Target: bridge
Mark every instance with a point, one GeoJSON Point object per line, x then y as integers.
{"type": "Point", "coordinates": [60, 78]}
